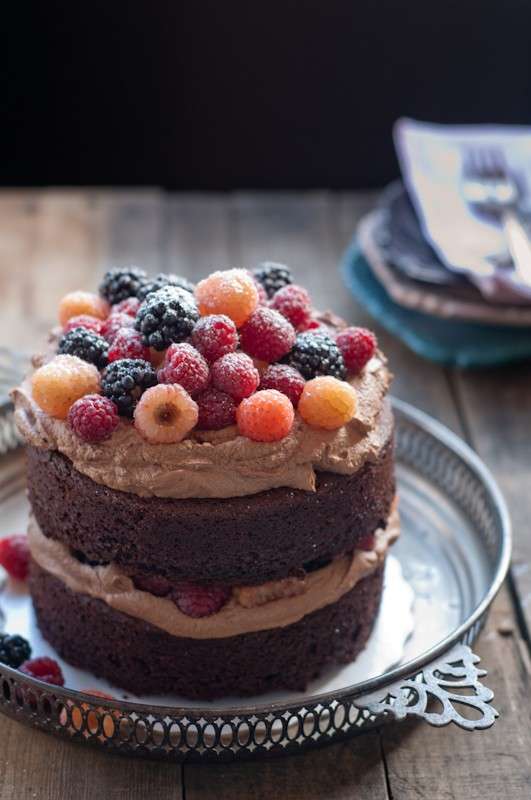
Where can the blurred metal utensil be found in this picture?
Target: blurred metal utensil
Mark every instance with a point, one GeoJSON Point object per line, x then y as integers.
{"type": "Point", "coordinates": [489, 186]}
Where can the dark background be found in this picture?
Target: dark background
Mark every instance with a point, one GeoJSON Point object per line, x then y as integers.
{"type": "Point", "coordinates": [215, 95]}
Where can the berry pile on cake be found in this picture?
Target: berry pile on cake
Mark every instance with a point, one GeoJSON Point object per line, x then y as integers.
{"type": "Point", "coordinates": [210, 471]}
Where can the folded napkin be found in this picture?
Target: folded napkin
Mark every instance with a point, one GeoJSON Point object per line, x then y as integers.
{"type": "Point", "coordinates": [431, 159]}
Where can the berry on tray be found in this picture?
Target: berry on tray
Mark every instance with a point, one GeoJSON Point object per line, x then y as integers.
{"type": "Point", "coordinates": [166, 316]}
{"type": "Point", "coordinates": [85, 344]}
{"type": "Point", "coordinates": [231, 292]}
{"type": "Point", "coordinates": [284, 379]}
{"type": "Point", "coordinates": [160, 281]}
{"type": "Point", "coordinates": [200, 601]}
{"type": "Point", "coordinates": [75, 303]}
{"type": "Point", "coordinates": [272, 276]}
{"type": "Point", "coordinates": [327, 403]}
{"type": "Point", "coordinates": [14, 650]}
{"type": "Point", "coordinates": [294, 303]}
{"type": "Point", "coordinates": [267, 416]}
{"type": "Point", "coordinates": [235, 374]}
{"type": "Point", "coordinates": [83, 321]}
{"type": "Point", "coordinates": [114, 323]}
{"type": "Point", "coordinates": [216, 410]}
{"type": "Point", "coordinates": [120, 283]}
{"type": "Point", "coordinates": [124, 382]}
{"type": "Point", "coordinates": [358, 345]}
{"type": "Point", "coordinates": [165, 414]}
{"type": "Point", "coordinates": [267, 335]}
{"type": "Point", "coordinates": [15, 556]}
{"type": "Point", "coordinates": [44, 669]}
{"type": "Point", "coordinates": [93, 418]}
{"type": "Point", "coordinates": [185, 365]}
{"type": "Point", "coordinates": [214, 336]}
{"type": "Point", "coordinates": [316, 354]}
{"type": "Point", "coordinates": [63, 380]}
{"type": "Point", "coordinates": [128, 343]}
{"type": "Point", "coordinates": [128, 306]}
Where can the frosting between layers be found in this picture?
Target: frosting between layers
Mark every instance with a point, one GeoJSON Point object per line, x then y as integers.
{"type": "Point", "coordinates": [110, 584]}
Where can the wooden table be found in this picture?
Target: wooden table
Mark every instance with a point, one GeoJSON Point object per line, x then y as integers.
{"type": "Point", "coordinates": [54, 241]}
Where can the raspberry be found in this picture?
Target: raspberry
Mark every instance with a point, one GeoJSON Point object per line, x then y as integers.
{"type": "Point", "coordinates": [284, 379]}
{"type": "Point", "coordinates": [215, 336]}
{"type": "Point", "coordinates": [184, 365]}
{"type": "Point", "coordinates": [63, 380]}
{"type": "Point", "coordinates": [89, 346]}
{"type": "Point", "coordinates": [294, 303]}
{"type": "Point", "coordinates": [15, 556]}
{"type": "Point", "coordinates": [128, 306]}
{"type": "Point", "coordinates": [358, 346]}
{"type": "Point", "coordinates": [272, 276]}
{"type": "Point", "coordinates": [76, 303]}
{"type": "Point", "coordinates": [165, 414]}
{"type": "Point", "coordinates": [45, 669]}
{"type": "Point", "coordinates": [154, 584]}
{"type": "Point", "coordinates": [114, 323]}
{"type": "Point", "coordinates": [121, 283]}
{"type": "Point", "coordinates": [200, 601]}
{"type": "Point", "coordinates": [232, 292]}
{"type": "Point", "coordinates": [327, 403]}
{"type": "Point", "coordinates": [125, 380]}
{"type": "Point", "coordinates": [160, 281]}
{"type": "Point", "coordinates": [83, 321]}
{"type": "Point", "coordinates": [316, 354]}
{"type": "Point", "coordinates": [267, 416]}
{"type": "Point", "coordinates": [366, 542]}
{"type": "Point", "coordinates": [235, 374]}
{"type": "Point", "coordinates": [267, 335]}
{"type": "Point", "coordinates": [216, 410]}
{"type": "Point", "coordinates": [127, 343]}
{"type": "Point", "coordinates": [14, 650]}
{"type": "Point", "coordinates": [166, 316]}
{"type": "Point", "coordinates": [93, 418]}
{"type": "Point", "coordinates": [311, 325]}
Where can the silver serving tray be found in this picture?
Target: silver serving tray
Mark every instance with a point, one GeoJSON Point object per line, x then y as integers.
{"type": "Point", "coordinates": [454, 552]}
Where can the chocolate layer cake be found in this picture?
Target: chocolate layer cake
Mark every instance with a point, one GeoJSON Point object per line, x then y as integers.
{"type": "Point", "coordinates": [193, 514]}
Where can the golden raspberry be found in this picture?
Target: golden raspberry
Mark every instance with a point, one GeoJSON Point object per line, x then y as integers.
{"type": "Point", "coordinates": [75, 303]}
{"type": "Point", "coordinates": [327, 402]}
{"type": "Point", "coordinates": [58, 384]}
{"type": "Point", "coordinates": [165, 414]}
{"type": "Point", "coordinates": [232, 292]}
{"type": "Point", "coordinates": [266, 416]}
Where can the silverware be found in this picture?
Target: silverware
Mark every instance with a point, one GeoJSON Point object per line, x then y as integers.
{"type": "Point", "coordinates": [490, 187]}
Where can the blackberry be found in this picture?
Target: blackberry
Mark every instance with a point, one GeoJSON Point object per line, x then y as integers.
{"type": "Point", "coordinates": [316, 354]}
{"type": "Point", "coordinates": [160, 281]}
{"type": "Point", "coordinates": [14, 650]}
{"type": "Point", "coordinates": [166, 316]}
{"type": "Point", "coordinates": [84, 344]}
{"type": "Point", "coordinates": [124, 381]}
{"type": "Point", "coordinates": [120, 283]}
{"type": "Point", "coordinates": [272, 276]}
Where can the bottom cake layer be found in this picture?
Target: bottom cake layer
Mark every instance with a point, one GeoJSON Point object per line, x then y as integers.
{"type": "Point", "coordinates": [142, 658]}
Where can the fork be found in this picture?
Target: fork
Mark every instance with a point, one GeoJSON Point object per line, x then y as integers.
{"type": "Point", "coordinates": [490, 187]}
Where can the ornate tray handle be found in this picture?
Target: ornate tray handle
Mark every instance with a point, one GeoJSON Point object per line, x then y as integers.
{"type": "Point", "coordinates": [447, 684]}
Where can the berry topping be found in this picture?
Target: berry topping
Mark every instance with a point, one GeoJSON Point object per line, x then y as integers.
{"type": "Point", "coordinates": [232, 292]}
{"type": "Point", "coordinates": [267, 335]}
{"type": "Point", "coordinates": [165, 414]}
{"type": "Point", "coordinates": [93, 418]}
{"type": "Point", "coordinates": [316, 354]}
{"type": "Point", "coordinates": [185, 365]}
{"type": "Point", "coordinates": [14, 650]}
{"type": "Point", "coordinates": [63, 380]}
{"type": "Point", "coordinates": [128, 343]}
{"type": "Point", "coordinates": [216, 410]}
{"type": "Point", "coordinates": [215, 336]}
{"type": "Point", "coordinates": [114, 323]}
{"type": "Point", "coordinates": [235, 374]}
{"type": "Point", "coordinates": [272, 276]}
{"type": "Point", "coordinates": [45, 669]}
{"type": "Point", "coordinates": [15, 556]}
{"type": "Point", "coordinates": [121, 283]}
{"type": "Point", "coordinates": [267, 416]}
{"type": "Point", "coordinates": [200, 601]}
{"type": "Point", "coordinates": [89, 346]}
{"type": "Point", "coordinates": [128, 306]}
{"type": "Point", "coordinates": [154, 584]}
{"type": "Point", "coordinates": [358, 345]}
{"type": "Point", "coordinates": [166, 316]}
{"type": "Point", "coordinates": [83, 321]}
{"type": "Point", "coordinates": [294, 303]}
{"type": "Point", "coordinates": [284, 379]}
{"type": "Point", "coordinates": [160, 281]}
{"type": "Point", "coordinates": [124, 382]}
{"type": "Point", "coordinates": [327, 403]}
{"type": "Point", "coordinates": [75, 303]}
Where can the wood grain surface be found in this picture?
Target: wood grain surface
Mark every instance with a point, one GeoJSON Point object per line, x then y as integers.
{"type": "Point", "coordinates": [54, 241]}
